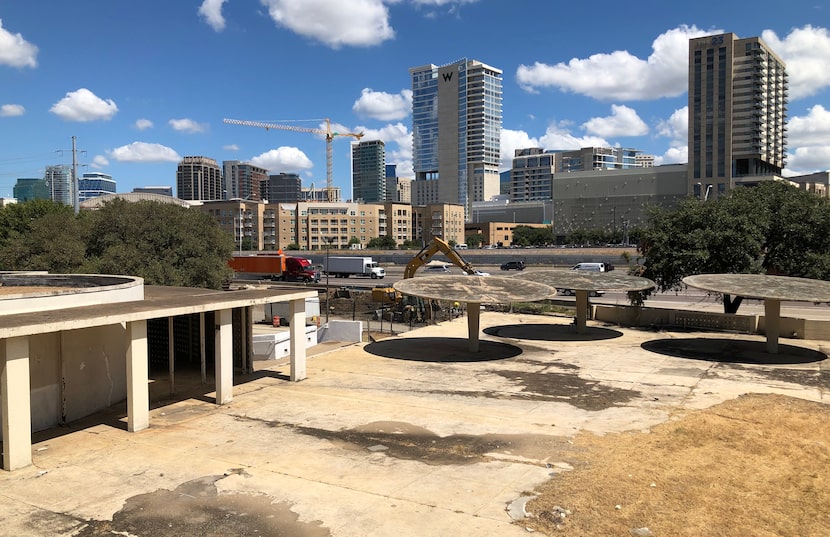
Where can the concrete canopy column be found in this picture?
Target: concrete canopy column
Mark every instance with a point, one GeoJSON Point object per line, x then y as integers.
{"type": "Point", "coordinates": [15, 386]}
{"type": "Point", "coordinates": [581, 310]}
{"type": "Point", "coordinates": [138, 387]}
{"type": "Point", "coordinates": [473, 324]}
{"type": "Point", "coordinates": [772, 323]}
{"type": "Point", "coordinates": [223, 357]}
{"type": "Point", "coordinates": [297, 341]}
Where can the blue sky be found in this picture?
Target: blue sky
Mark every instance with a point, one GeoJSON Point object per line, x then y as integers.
{"type": "Point", "coordinates": [143, 83]}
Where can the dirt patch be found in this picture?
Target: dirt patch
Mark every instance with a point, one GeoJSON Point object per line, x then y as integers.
{"type": "Point", "coordinates": [755, 466]}
{"type": "Point", "coordinates": [569, 388]}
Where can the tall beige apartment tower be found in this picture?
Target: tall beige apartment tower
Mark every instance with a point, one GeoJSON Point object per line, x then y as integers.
{"type": "Point", "coordinates": [737, 114]}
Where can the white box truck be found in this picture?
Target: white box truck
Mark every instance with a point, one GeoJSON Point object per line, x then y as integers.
{"type": "Point", "coordinates": [343, 267]}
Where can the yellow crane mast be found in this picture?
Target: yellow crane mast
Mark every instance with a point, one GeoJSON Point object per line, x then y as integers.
{"type": "Point", "coordinates": [328, 133]}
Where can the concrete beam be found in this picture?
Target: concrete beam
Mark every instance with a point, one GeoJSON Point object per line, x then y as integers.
{"type": "Point", "coordinates": [772, 323]}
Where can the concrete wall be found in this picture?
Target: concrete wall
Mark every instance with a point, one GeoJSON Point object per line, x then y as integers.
{"type": "Point", "coordinates": [345, 331]}
{"type": "Point", "coordinates": [277, 345]}
{"type": "Point", "coordinates": [791, 327]}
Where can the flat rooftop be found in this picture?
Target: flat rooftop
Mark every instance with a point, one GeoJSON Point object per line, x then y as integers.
{"type": "Point", "coordinates": [409, 435]}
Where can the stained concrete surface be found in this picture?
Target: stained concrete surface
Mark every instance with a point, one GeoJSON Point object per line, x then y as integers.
{"type": "Point", "coordinates": [372, 444]}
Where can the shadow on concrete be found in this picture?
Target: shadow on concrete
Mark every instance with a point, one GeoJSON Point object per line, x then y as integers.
{"type": "Point", "coordinates": [439, 349]}
{"type": "Point", "coordinates": [733, 351]}
{"type": "Point", "coordinates": [551, 332]}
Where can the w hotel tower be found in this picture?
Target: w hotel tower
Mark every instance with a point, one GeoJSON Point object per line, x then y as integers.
{"type": "Point", "coordinates": [737, 114]}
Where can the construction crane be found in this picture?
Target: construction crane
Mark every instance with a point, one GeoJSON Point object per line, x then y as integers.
{"type": "Point", "coordinates": [313, 130]}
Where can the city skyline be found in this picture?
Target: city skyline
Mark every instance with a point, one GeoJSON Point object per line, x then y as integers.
{"type": "Point", "coordinates": [142, 96]}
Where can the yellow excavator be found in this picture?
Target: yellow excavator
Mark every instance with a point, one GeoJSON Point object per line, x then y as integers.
{"type": "Point", "coordinates": [390, 295]}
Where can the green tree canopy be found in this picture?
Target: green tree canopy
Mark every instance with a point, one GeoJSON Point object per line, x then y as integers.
{"type": "Point", "coordinates": [532, 236]}
{"type": "Point", "coordinates": [772, 228]}
{"type": "Point", "coordinates": [384, 242]}
{"type": "Point", "coordinates": [163, 243]}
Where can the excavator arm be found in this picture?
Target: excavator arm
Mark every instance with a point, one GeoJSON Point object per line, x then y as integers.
{"type": "Point", "coordinates": [436, 245]}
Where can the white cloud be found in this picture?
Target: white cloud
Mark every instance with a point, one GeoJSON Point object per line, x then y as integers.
{"type": "Point", "coordinates": [807, 160]}
{"type": "Point", "coordinates": [383, 106]}
{"type": "Point", "coordinates": [810, 135]}
{"type": "Point", "coordinates": [100, 161]}
{"type": "Point", "coordinates": [510, 141]}
{"type": "Point", "coordinates": [230, 147]}
{"type": "Point", "coordinates": [676, 127]}
{"type": "Point", "coordinates": [143, 152]}
{"type": "Point", "coordinates": [10, 110]}
{"type": "Point", "coordinates": [16, 51]}
{"type": "Point", "coordinates": [673, 155]}
{"type": "Point", "coordinates": [143, 124]}
{"type": "Point", "coordinates": [283, 159]}
{"type": "Point", "coordinates": [335, 23]}
{"type": "Point", "coordinates": [83, 105]}
{"type": "Point", "coordinates": [187, 125]}
{"type": "Point", "coordinates": [806, 51]}
{"type": "Point", "coordinates": [211, 11]}
{"type": "Point", "coordinates": [398, 141]}
{"type": "Point", "coordinates": [621, 75]}
{"type": "Point", "coordinates": [558, 136]}
{"type": "Point", "coordinates": [810, 130]}
{"type": "Point", "coordinates": [623, 121]}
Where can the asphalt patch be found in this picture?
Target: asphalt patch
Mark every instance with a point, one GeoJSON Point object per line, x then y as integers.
{"type": "Point", "coordinates": [441, 349]}
{"type": "Point", "coordinates": [733, 351]}
{"type": "Point", "coordinates": [196, 508]}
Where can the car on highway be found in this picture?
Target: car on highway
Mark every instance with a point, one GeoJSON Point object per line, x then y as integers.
{"type": "Point", "coordinates": [437, 269]}
{"type": "Point", "coordinates": [513, 265]}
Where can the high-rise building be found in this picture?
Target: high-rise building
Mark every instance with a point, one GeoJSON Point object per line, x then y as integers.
{"type": "Point", "coordinates": [283, 188]}
{"type": "Point", "coordinates": [531, 177]}
{"type": "Point", "coordinates": [243, 180]}
{"type": "Point", "coordinates": [94, 184]}
{"type": "Point", "coordinates": [369, 171]}
{"type": "Point", "coordinates": [456, 132]}
{"type": "Point", "coordinates": [26, 189]}
{"type": "Point", "coordinates": [59, 180]}
{"type": "Point", "coordinates": [199, 179]}
{"type": "Point", "coordinates": [737, 113]}
{"type": "Point", "coordinates": [160, 190]}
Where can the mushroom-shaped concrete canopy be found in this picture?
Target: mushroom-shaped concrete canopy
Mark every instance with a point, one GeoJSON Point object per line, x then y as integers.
{"type": "Point", "coordinates": [475, 290]}
{"type": "Point", "coordinates": [582, 282]}
{"type": "Point", "coordinates": [772, 289]}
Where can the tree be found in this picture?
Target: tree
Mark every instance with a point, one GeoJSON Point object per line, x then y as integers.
{"type": "Point", "coordinates": [163, 243]}
{"type": "Point", "coordinates": [354, 240]}
{"type": "Point", "coordinates": [772, 228]}
{"type": "Point", "coordinates": [384, 242]}
{"type": "Point", "coordinates": [409, 244]}
{"type": "Point", "coordinates": [293, 246]}
{"type": "Point", "coordinates": [54, 241]}
{"type": "Point", "coordinates": [475, 240]}
{"type": "Point", "coordinates": [532, 236]}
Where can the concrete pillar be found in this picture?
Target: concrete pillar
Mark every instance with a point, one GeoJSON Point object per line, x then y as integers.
{"type": "Point", "coordinates": [138, 379]}
{"type": "Point", "coordinates": [581, 310]}
{"type": "Point", "coordinates": [16, 403]}
{"type": "Point", "coordinates": [202, 347]}
{"type": "Point", "coordinates": [224, 356]}
{"type": "Point", "coordinates": [772, 323]}
{"type": "Point", "coordinates": [473, 324]}
{"type": "Point", "coordinates": [297, 341]}
{"type": "Point", "coordinates": [171, 355]}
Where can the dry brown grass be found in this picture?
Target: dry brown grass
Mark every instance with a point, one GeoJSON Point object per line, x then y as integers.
{"type": "Point", "coordinates": [755, 466]}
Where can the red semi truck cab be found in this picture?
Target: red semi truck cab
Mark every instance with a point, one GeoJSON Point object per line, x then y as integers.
{"type": "Point", "coordinates": [274, 267]}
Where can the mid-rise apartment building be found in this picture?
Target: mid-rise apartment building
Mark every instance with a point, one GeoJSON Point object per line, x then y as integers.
{"type": "Point", "coordinates": [443, 220]}
{"type": "Point", "coordinates": [283, 188]}
{"type": "Point", "coordinates": [737, 113]}
{"type": "Point", "coordinates": [95, 184]}
{"type": "Point", "coordinates": [369, 171]}
{"type": "Point", "coordinates": [456, 132]}
{"type": "Point", "coordinates": [59, 181]}
{"type": "Point", "coordinates": [199, 179]}
{"type": "Point", "coordinates": [243, 180]}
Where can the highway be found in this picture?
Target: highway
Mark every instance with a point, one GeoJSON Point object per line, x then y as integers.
{"type": "Point", "coordinates": [691, 299]}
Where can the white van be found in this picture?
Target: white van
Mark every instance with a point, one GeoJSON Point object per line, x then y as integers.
{"type": "Point", "coordinates": [592, 267]}
{"type": "Point", "coordinates": [461, 246]}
